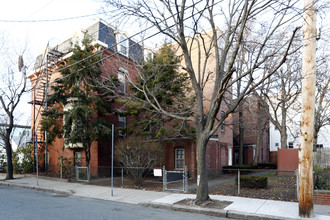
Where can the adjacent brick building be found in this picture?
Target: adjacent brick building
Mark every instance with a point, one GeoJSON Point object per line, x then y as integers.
{"type": "Point", "coordinates": [254, 120]}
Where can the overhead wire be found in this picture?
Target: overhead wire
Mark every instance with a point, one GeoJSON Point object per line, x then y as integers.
{"type": "Point", "coordinates": [118, 43]}
{"type": "Point", "coordinates": [121, 41]}
{"type": "Point", "coordinates": [52, 20]}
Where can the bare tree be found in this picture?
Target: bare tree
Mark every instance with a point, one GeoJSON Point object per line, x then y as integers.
{"type": "Point", "coordinates": [322, 96]}
{"type": "Point", "coordinates": [322, 107]}
{"type": "Point", "coordinates": [138, 156]}
{"type": "Point", "coordinates": [211, 69]}
{"type": "Point", "coordinates": [280, 94]}
{"type": "Point", "coordinates": [10, 96]}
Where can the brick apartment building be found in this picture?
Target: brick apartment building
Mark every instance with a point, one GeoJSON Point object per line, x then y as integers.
{"type": "Point", "coordinates": [121, 53]}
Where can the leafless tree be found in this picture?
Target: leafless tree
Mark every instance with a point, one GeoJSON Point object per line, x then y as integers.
{"type": "Point", "coordinates": [10, 96]}
{"type": "Point", "coordinates": [322, 107]}
{"type": "Point", "coordinates": [209, 35]}
{"type": "Point", "coordinates": [281, 93]}
{"type": "Point", "coordinates": [138, 156]}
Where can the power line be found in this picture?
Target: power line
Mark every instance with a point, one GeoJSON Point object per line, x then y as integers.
{"type": "Point", "coordinates": [52, 20]}
{"type": "Point", "coordinates": [132, 36]}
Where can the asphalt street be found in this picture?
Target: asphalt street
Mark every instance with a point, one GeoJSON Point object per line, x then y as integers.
{"type": "Point", "coordinates": [19, 203]}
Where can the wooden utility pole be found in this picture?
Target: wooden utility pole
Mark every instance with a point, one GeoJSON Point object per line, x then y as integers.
{"type": "Point", "coordinates": [308, 109]}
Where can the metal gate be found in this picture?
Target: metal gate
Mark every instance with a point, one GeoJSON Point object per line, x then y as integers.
{"type": "Point", "coordinates": [172, 180]}
{"type": "Point", "coordinates": [83, 174]}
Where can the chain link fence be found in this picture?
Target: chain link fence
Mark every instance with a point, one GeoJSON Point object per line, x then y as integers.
{"type": "Point", "coordinates": [254, 183]}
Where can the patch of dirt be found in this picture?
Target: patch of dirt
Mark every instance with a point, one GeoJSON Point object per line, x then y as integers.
{"type": "Point", "coordinates": [279, 188]}
{"type": "Point", "coordinates": [147, 184]}
{"type": "Point", "coordinates": [213, 204]}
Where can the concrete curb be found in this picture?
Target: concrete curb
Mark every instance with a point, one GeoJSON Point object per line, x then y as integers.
{"type": "Point", "coordinates": [38, 188]}
{"type": "Point", "coordinates": [213, 212]}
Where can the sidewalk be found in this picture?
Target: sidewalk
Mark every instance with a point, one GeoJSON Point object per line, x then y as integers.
{"type": "Point", "coordinates": [240, 208]}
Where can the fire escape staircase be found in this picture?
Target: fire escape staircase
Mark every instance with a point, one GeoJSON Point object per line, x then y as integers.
{"type": "Point", "coordinates": [40, 94]}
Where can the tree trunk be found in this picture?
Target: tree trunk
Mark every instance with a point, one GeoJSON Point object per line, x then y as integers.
{"type": "Point", "coordinates": [283, 138]}
{"type": "Point", "coordinates": [202, 180]}
{"type": "Point", "coordinates": [259, 133]}
{"type": "Point", "coordinates": [9, 153]}
{"type": "Point", "coordinates": [316, 133]}
{"type": "Point", "coordinates": [283, 133]}
{"type": "Point", "coordinates": [241, 134]}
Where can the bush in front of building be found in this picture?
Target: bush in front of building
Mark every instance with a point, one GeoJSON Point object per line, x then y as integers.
{"type": "Point", "coordinates": [246, 167]}
{"type": "Point", "coordinates": [138, 156]}
{"type": "Point", "coordinates": [23, 159]}
{"type": "Point", "coordinates": [252, 181]}
{"type": "Point", "coordinates": [321, 178]}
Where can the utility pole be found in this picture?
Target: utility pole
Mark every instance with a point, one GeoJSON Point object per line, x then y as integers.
{"type": "Point", "coordinates": [308, 109]}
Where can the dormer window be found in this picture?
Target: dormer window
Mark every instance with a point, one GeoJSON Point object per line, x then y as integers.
{"type": "Point", "coordinates": [122, 44]}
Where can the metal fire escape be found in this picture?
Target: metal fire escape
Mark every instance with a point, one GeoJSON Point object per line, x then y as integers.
{"type": "Point", "coordinates": [45, 67]}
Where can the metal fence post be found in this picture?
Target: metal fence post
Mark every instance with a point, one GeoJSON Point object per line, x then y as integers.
{"type": "Point", "coordinates": [297, 183]}
{"type": "Point", "coordinates": [185, 179]}
{"type": "Point", "coordinates": [88, 173]}
{"type": "Point", "coordinates": [61, 171]}
{"type": "Point", "coordinates": [238, 181]}
{"type": "Point", "coordinates": [77, 173]}
{"type": "Point", "coordinates": [122, 177]}
{"type": "Point", "coordinates": [164, 178]}
{"type": "Point", "coordinates": [37, 165]}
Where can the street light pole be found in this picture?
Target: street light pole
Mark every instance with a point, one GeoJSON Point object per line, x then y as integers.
{"type": "Point", "coordinates": [308, 109]}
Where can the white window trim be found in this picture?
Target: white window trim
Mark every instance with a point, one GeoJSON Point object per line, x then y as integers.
{"type": "Point", "coordinates": [123, 80]}
{"type": "Point", "coordinates": [68, 106]}
{"type": "Point", "coordinates": [176, 158]}
{"type": "Point", "coordinates": [77, 159]}
{"type": "Point", "coordinates": [125, 125]}
{"type": "Point", "coordinates": [119, 44]}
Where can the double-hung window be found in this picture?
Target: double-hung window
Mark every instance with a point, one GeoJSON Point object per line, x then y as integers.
{"type": "Point", "coordinates": [122, 43]}
{"type": "Point", "coordinates": [121, 125]}
{"type": "Point", "coordinates": [122, 80]}
{"type": "Point", "coordinates": [179, 158]}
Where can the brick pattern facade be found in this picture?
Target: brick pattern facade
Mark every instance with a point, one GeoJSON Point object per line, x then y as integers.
{"type": "Point", "coordinates": [322, 197]}
{"type": "Point", "coordinates": [253, 117]}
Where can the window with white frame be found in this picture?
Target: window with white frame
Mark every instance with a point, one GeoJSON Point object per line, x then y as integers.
{"type": "Point", "coordinates": [122, 81]}
{"type": "Point", "coordinates": [121, 125]}
{"type": "Point", "coordinates": [122, 44]}
{"type": "Point", "coordinates": [179, 158]}
{"type": "Point", "coordinates": [77, 158]}
{"type": "Point", "coordinates": [71, 103]}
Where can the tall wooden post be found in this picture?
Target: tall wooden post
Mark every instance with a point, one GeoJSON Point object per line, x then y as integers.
{"type": "Point", "coordinates": [308, 109]}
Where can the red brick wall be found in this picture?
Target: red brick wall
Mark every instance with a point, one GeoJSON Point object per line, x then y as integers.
{"type": "Point", "coordinates": [273, 157]}
{"type": "Point", "coordinates": [99, 153]}
{"type": "Point", "coordinates": [251, 114]}
{"type": "Point", "coordinates": [189, 153]}
{"type": "Point", "coordinates": [216, 155]}
{"type": "Point", "coordinates": [287, 159]}
{"type": "Point", "coordinates": [322, 197]}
